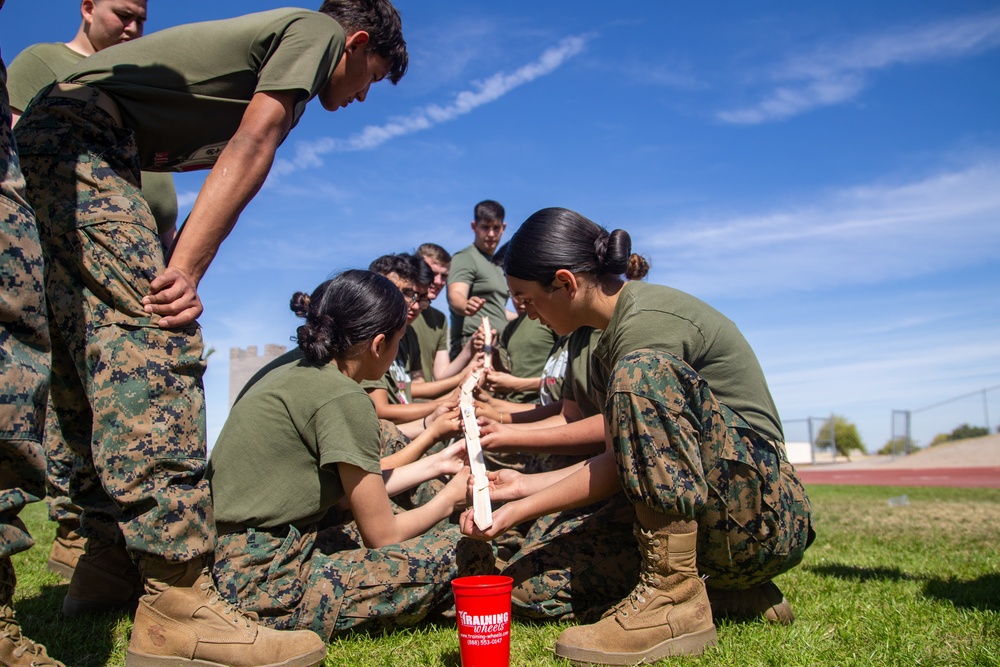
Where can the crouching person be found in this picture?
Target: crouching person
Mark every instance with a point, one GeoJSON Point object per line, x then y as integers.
{"type": "Point", "coordinates": [304, 442]}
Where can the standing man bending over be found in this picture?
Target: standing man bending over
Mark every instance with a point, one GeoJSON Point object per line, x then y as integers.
{"type": "Point", "coordinates": [220, 95]}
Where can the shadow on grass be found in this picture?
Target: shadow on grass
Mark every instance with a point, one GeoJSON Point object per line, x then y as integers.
{"type": "Point", "coordinates": [982, 593]}
{"type": "Point", "coordinates": [81, 641]}
{"type": "Point", "coordinates": [855, 573]}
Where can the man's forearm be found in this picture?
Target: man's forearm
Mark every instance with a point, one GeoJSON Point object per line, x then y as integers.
{"type": "Point", "coordinates": [237, 176]}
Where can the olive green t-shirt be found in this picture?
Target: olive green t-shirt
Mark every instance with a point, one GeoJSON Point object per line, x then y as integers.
{"type": "Point", "coordinates": [183, 90]}
{"type": "Point", "coordinates": [432, 336]}
{"type": "Point", "coordinates": [41, 64]}
{"type": "Point", "coordinates": [525, 345]}
{"type": "Point", "coordinates": [485, 279]}
{"type": "Point", "coordinates": [662, 318]}
{"type": "Point", "coordinates": [577, 385]}
{"type": "Point", "coordinates": [36, 67]}
{"type": "Point", "coordinates": [275, 462]}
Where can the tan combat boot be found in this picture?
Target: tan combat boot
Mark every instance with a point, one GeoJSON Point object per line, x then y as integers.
{"type": "Point", "coordinates": [16, 650]}
{"type": "Point", "coordinates": [67, 549]}
{"type": "Point", "coordinates": [760, 602]}
{"type": "Point", "coordinates": [183, 620]}
{"type": "Point", "coordinates": [105, 580]}
{"type": "Point", "coordinates": [668, 612]}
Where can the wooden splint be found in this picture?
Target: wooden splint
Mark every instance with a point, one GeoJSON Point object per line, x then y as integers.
{"type": "Point", "coordinates": [481, 508]}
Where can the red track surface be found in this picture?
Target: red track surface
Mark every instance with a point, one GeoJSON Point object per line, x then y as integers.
{"type": "Point", "coordinates": [986, 478]}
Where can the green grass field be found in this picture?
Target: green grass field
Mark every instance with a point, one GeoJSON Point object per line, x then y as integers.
{"type": "Point", "coordinates": [912, 585]}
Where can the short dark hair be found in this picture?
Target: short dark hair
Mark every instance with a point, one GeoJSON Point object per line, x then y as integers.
{"type": "Point", "coordinates": [488, 211]}
{"type": "Point", "coordinates": [557, 238]}
{"type": "Point", "coordinates": [408, 267]}
{"type": "Point", "coordinates": [345, 311]}
{"type": "Point", "coordinates": [382, 23]}
{"type": "Point", "coordinates": [434, 252]}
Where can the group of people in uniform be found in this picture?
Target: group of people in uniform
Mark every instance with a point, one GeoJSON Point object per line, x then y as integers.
{"type": "Point", "coordinates": [638, 474]}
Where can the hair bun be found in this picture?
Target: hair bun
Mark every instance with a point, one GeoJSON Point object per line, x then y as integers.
{"type": "Point", "coordinates": [300, 304]}
{"type": "Point", "coordinates": [617, 249]}
{"type": "Point", "coordinates": [638, 267]}
{"type": "Point", "coordinates": [601, 249]}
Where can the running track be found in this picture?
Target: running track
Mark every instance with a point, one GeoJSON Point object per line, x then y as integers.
{"type": "Point", "coordinates": [985, 478]}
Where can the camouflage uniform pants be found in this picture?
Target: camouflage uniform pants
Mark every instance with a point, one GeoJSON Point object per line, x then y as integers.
{"type": "Point", "coordinates": [573, 564]}
{"type": "Point", "coordinates": [60, 461]}
{"type": "Point", "coordinates": [128, 398]}
{"type": "Point", "coordinates": [680, 452]}
{"type": "Point", "coordinates": [24, 346]}
{"type": "Point", "coordinates": [292, 583]}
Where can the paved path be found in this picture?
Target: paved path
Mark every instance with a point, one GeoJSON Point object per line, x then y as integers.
{"type": "Point", "coordinates": [985, 478]}
{"type": "Point", "coordinates": [973, 463]}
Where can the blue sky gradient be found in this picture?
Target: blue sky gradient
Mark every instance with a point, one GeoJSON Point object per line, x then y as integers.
{"type": "Point", "coordinates": [828, 176]}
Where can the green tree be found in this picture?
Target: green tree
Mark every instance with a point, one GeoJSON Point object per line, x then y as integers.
{"type": "Point", "coordinates": [939, 438]}
{"type": "Point", "coordinates": [896, 447]}
{"type": "Point", "coordinates": [845, 436]}
{"type": "Point", "coordinates": [965, 431]}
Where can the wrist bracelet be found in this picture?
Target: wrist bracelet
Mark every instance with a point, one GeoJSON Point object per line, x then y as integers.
{"type": "Point", "coordinates": [425, 421]}
{"type": "Point", "coordinates": [501, 418]}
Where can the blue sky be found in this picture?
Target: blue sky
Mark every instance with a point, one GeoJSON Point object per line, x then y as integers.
{"type": "Point", "coordinates": [825, 174]}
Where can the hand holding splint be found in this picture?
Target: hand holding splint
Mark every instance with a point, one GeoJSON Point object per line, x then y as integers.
{"type": "Point", "coordinates": [503, 517]}
{"type": "Point", "coordinates": [454, 491]}
{"type": "Point", "coordinates": [445, 425]}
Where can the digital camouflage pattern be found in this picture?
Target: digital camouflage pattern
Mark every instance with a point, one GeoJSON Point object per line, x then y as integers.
{"type": "Point", "coordinates": [24, 345]}
{"type": "Point", "coordinates": [576, 564]}
{"type": "Point", "coordinates": [290, 582]}
{"type": "Point", "coordinates": [129, 399]}
{"type": "Point", "coordinates": [59, 464]}
{"type": "Point", "coordinates": [679, 451]}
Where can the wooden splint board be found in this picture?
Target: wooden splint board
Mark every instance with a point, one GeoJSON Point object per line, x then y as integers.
{"type": "Point", "coordinates": [482, 510]}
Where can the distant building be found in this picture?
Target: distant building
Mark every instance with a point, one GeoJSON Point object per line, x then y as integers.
{"type": "Point", "coordinates": [244, 363]}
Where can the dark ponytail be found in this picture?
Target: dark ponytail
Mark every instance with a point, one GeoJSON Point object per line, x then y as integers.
{"type": "Point", "coordinates": [557, 238]}
{"type": "Point", "coordinates": [345, 311]}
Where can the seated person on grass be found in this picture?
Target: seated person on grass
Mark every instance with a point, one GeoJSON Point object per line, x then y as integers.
{"type": "Point", "coordinates": [694, 444]}
{"type": "Point", "coordinates": [303, 441]}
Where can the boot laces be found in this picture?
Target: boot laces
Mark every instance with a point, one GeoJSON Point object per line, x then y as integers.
{"type": "Point", "coordinates": [10, 629]}
{"type": "Point", "coordinates": [231, 612]}
{"type": "Point", "coordinates": [648, 579]}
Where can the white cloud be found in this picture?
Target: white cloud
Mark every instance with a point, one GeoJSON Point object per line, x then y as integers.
{"type": "Point", "coordinates": [309, 154]}
{"type": "Point", "coordinates": [834, 75]}
{"type": "Point", "coordinates": [186, 199]}
{"type": "Point", "coordinates": [857, 236]}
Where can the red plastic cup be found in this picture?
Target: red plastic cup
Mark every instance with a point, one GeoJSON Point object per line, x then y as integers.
{"type": "Point", "coordinates": [482, 605]}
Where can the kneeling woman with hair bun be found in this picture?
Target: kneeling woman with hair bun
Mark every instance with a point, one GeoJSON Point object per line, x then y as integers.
{"type": "Point", "coordinates": [304, 440]}
{"type": "Point", "coordinates": [693, 441]}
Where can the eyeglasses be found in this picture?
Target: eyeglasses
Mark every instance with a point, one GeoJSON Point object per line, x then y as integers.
{"type": "Point", "coordinates": [414, 297]}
